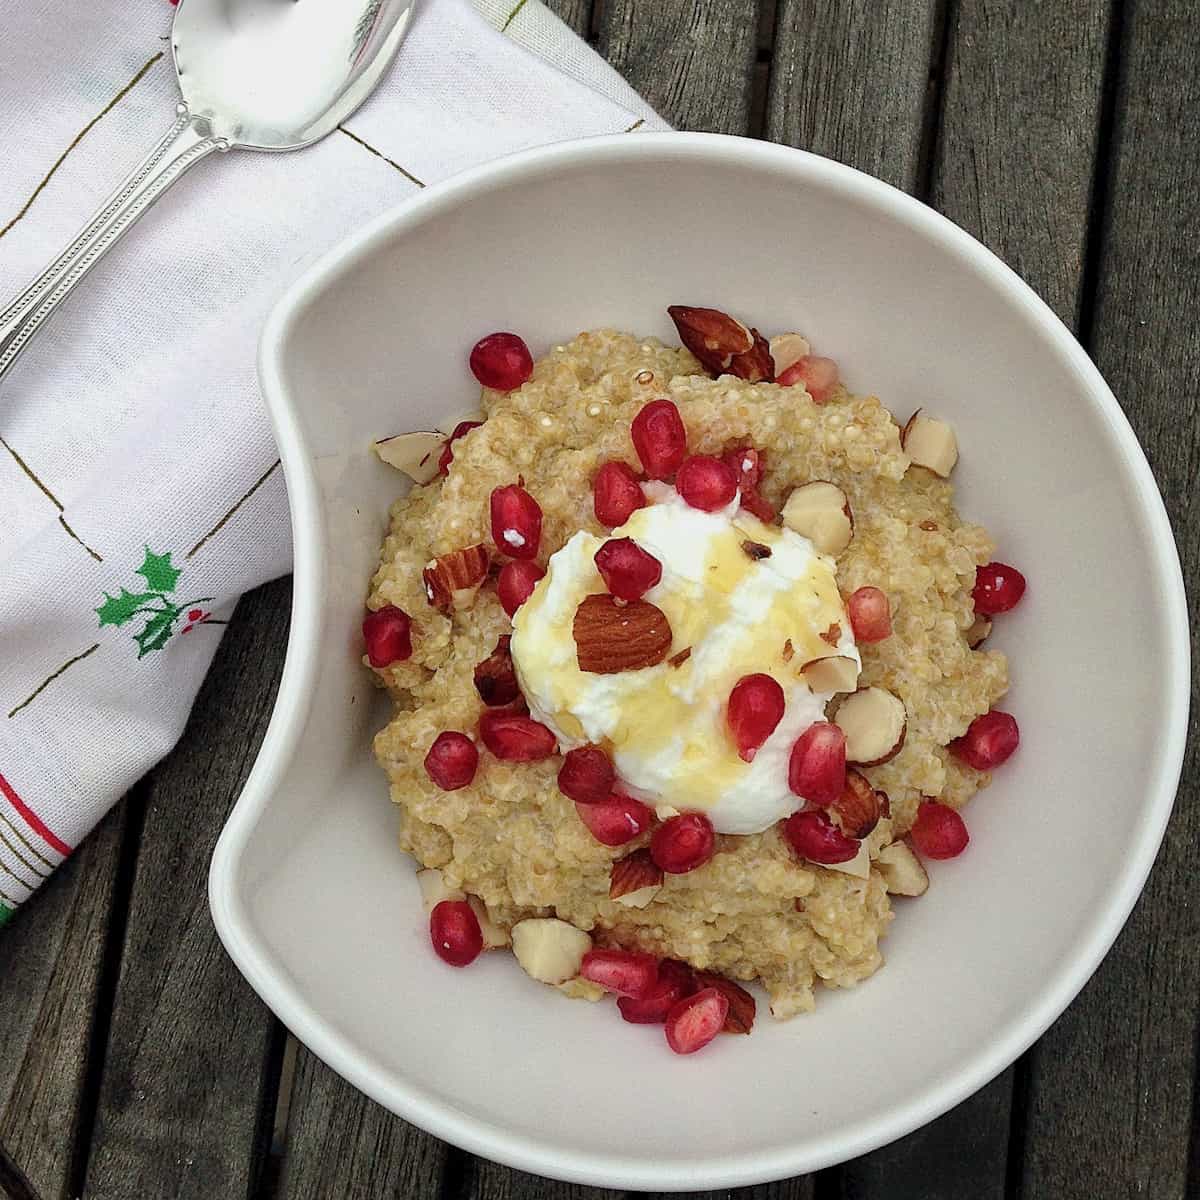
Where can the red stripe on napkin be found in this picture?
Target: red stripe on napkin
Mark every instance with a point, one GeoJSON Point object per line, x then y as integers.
{"type": "Point", "coordinates": [33, 820]}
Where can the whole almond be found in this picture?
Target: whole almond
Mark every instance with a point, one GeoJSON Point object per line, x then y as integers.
{"type": "Point", "coordinates": [612, 637]}
{"type": "Point", "coordinates": [857, 809]}
{"type": "Point", "coordinates": [712, 336]}
{"type": "Point", "coordinates": [451, 580]}
{"type": "Point", "coordinates": [756, 364]}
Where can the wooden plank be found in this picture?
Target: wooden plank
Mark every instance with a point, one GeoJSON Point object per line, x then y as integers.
{"type": "Point", "coordinates": [341, 1144]}
{"type": "Point", "coordinates": [490, 1182]}
{"type": "Point", "coordinates": [189, 1073]}
{"type": "Point", "coordinates": [850, 80]}
{"type": "Point", "coordinates": [1111, 1088]}
{"type": "Point", "coordinates": [576, 13]}
{"type": "Point", "coordinates": [693, 63]}
{"type": "Point", "coordinates": [53, 957]}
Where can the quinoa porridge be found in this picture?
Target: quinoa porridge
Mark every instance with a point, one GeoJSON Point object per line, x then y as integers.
{"type": "Point", "coordinates": [685, 652]}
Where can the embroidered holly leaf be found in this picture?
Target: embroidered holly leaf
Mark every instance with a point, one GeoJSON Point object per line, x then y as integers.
{"type": "Point", "coordinates": [156, 633]}
{"type": "Point", "coordinates": [156, 569]}
{"type": "Point", "coordinates": [116, 610]}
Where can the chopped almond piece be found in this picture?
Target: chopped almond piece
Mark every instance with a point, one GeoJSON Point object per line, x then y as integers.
{"type": "Point", "coordinates": [820, 512]}
{"type": "Point", "coordinates": [549, 950]}
{"type": "Point", "coordinates": [930, 443]}
{"type": "Point", "coordinates": [495, 937]}
{"type": "Point", "coordinates": [874, 722]}
{"type": "Point", "coordinates": [788, 349]}
{"type": "Point", "coordinates": [837, 673]}
{"type": "Point", "coordinates": [434, 890]}
{"type": "Point", "coordinates": [902, 871]}
{"type": "Point", "coordinates": [416, 454]}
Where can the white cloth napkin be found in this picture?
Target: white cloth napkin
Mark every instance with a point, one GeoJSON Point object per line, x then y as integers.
{"type": "Point", "coordinates": [140, 493]}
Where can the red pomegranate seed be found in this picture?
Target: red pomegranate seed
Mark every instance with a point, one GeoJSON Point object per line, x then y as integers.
{"type": "Point", "coordinates": [659, 438]}
{"type": "Point", "coordinates": [814, 836]}
{"type": "Point", "coordinates": [747, 465]}
{"type": "Point", "coordinates": [759, 505]}
{"type": "Point", "coordinates": [501, 361]}
{"type": "Point", "coordinates": [683, 843]}
{"type": "Point", "coordinates": [515, 583]}
{"type": "Point", "coordinates": [706, 482]}
{"type": "Point", "coordinates": [586, 775]}
{"type": "Point", "coordinates": [516, 739]}
{"type": "Point", "coordinates": [628, 571]}
{"type": "Point", "coordinates": [675, 981]}
{"type": "Point", "coordinates": [616, 494]}
{"type": "Point", "coordinates": [939, 832]}
{"type": "Point", "coordinates": [819, 376]}
{"type": "Point", "coordinates": [817, 767]}
{"type": "Point", "coordinates": [989, 741]}
{"type": "Point", "coordinates": [516, 521]}
{"type": "Point", "coordinates": [696, 1020]}
{"type": "Point", "coordinates": [756, 706]}
{"type": "Point", "coordinates": [998, 587]}
{"type": "Point", "coordinates": [626, 972]}
{"type": "Point", "coordinates": [455, 933]}
{"type": "Point", "coordinates": [870, 614]}
{"type": "Point", "coordinates": [617, 820]}
{"type": "Point", "coordinates": [452, 760]}
{"type": "Point", "coordinates": [388, 634]}
{"type": "Point", "coordinates": [447, 456]}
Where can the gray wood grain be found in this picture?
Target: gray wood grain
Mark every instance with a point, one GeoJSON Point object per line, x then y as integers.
{"type": "Point", "coordinates": [1019, 132]}
{"type": "Point", "coordinates": [341, 1144]}
{"type": "Point", "coordinates": [1111, 1096]}
{"type": "Point", "coordinates": [51, 969]}
{"type": "Point", "coordinates": [576, 13]}
{"type": "Point", "coordinates": [490, 1181]}
{"type": "Point", "coordinates": [188, 1073]}
{"type": "Point", "coordinates": [694, 63]}
{"type": "Point", "coordinates": [850, 80]}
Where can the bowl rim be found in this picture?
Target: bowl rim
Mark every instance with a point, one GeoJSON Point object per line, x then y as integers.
{"type": "Point", "coordinates": [478, 1136]}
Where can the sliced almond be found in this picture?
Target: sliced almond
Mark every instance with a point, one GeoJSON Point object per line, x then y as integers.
{"type": "Point", "coordinates": [495, 937]}
{"type": "Point", "coordinates": [820, 512]}
{"type": "Point", "coordinates": [978, 633]}
{"type": "Point", "coordinates": [902, 871]}
{"type": "Point", "coordinates": [451, 580]}
{"type": "Point", "coordinates": [788, 348]}
{"type": "Point", "coordinates": [930, 443]}
{"type": "Point", "coordinates": [874, 722]}
{"type": "Point", "coordinates": [612, 637]}
{"type": "Point", "coordinates": [549, 950]}
{"type": "Point", "coordinates": [434, 890]}
{"type": "Point", "coordinates": [859, 866]}
{"type": "Point", "coordinates": [635, 880]}
{"type": "Point", "coordinates": [416, 454]}
{"type": "Point", "coordinates": [712, 336]}
{"type": "Point", "coordinates": [857, 809]}
{"type": "Point", "coordinates": [837, 673]}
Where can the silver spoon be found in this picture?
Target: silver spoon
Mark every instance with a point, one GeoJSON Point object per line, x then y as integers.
{"type": "Point", "coordinates": [253, 75]}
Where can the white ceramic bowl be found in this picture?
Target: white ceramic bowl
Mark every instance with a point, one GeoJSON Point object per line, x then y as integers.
{"type": "Point", "coordinates": [320, 910]}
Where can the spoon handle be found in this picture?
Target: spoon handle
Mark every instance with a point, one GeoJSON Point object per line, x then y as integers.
{"type": "Point", "coordinates": [187, 141]}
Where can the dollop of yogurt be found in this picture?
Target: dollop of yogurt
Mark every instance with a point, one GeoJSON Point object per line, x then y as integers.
{"type": "Point", "coordinates": [736, 612]}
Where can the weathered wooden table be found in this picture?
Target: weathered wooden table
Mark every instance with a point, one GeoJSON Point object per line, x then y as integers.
{"type": "Point", "coordinates": [135, 1062]}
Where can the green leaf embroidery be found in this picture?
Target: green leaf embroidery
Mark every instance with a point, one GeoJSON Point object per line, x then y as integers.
{"type": "Point", "coordinates": [116, 610]}
{"type": "Point", "coordinates": [158, 572]}
{"type": "Point", "coordinates": [156, 633]}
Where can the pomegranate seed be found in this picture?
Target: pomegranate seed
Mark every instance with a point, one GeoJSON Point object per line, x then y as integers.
{"type": "Point", "coordinates": [447, 456]}
{"type": "Point", "coordinates": [696, 1020]}
{"type": "Point", "coordinates": [501, 361]}
{"type": "Point", "coordinates": [628, 571]}
{"type": "Point", "coordinates": [939, 832]}
{"type": "Point", "coordinates": [586, 775]}
{"type": "Point", "coordinates": [617, 820]}
{"type": "Point", "coordinates": [683, 843]}
{"type": "Point", "coordinates": [989, 741]}
{"type": "Point", "coordinates": [706, 483]}
{"type": "Point", "coordinates": [814, 836]}
{"type": "Point", "coordinates": [759, 505]}
{"type": "Point", "coordinates": [455, 933]}
{"type": "Point", "coordinates": [659, 438]}
{"type": "Point", "coordinates": [819, 376]}
{"type": "Point", "coordinates": [998, 587]}
{"type": "Point", "coordinates": [515, 583]}
{"type": "Point", "coordinates": [817, 767]}
{"type": "Point", "coordinates": [626, 972]}
{"type": "Point", "coordinates": [452, 760]}
{"type": "Point", "coordinates": [516, 521]}
{"type": "Point", "coordinates": [516, 739]}
{"type": "Point", "coordinates": [870, 614]}
{"type": "Point", "coordinates": [747, 465]}
{"type": "Point", "coordinates": [616, 494]}
{"type": "Point", "coordinates": [675, 981]}
{"type": "Point", "coordinates": [756, 706]}
{"type": "Point", "coordinates": [388, 634]}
